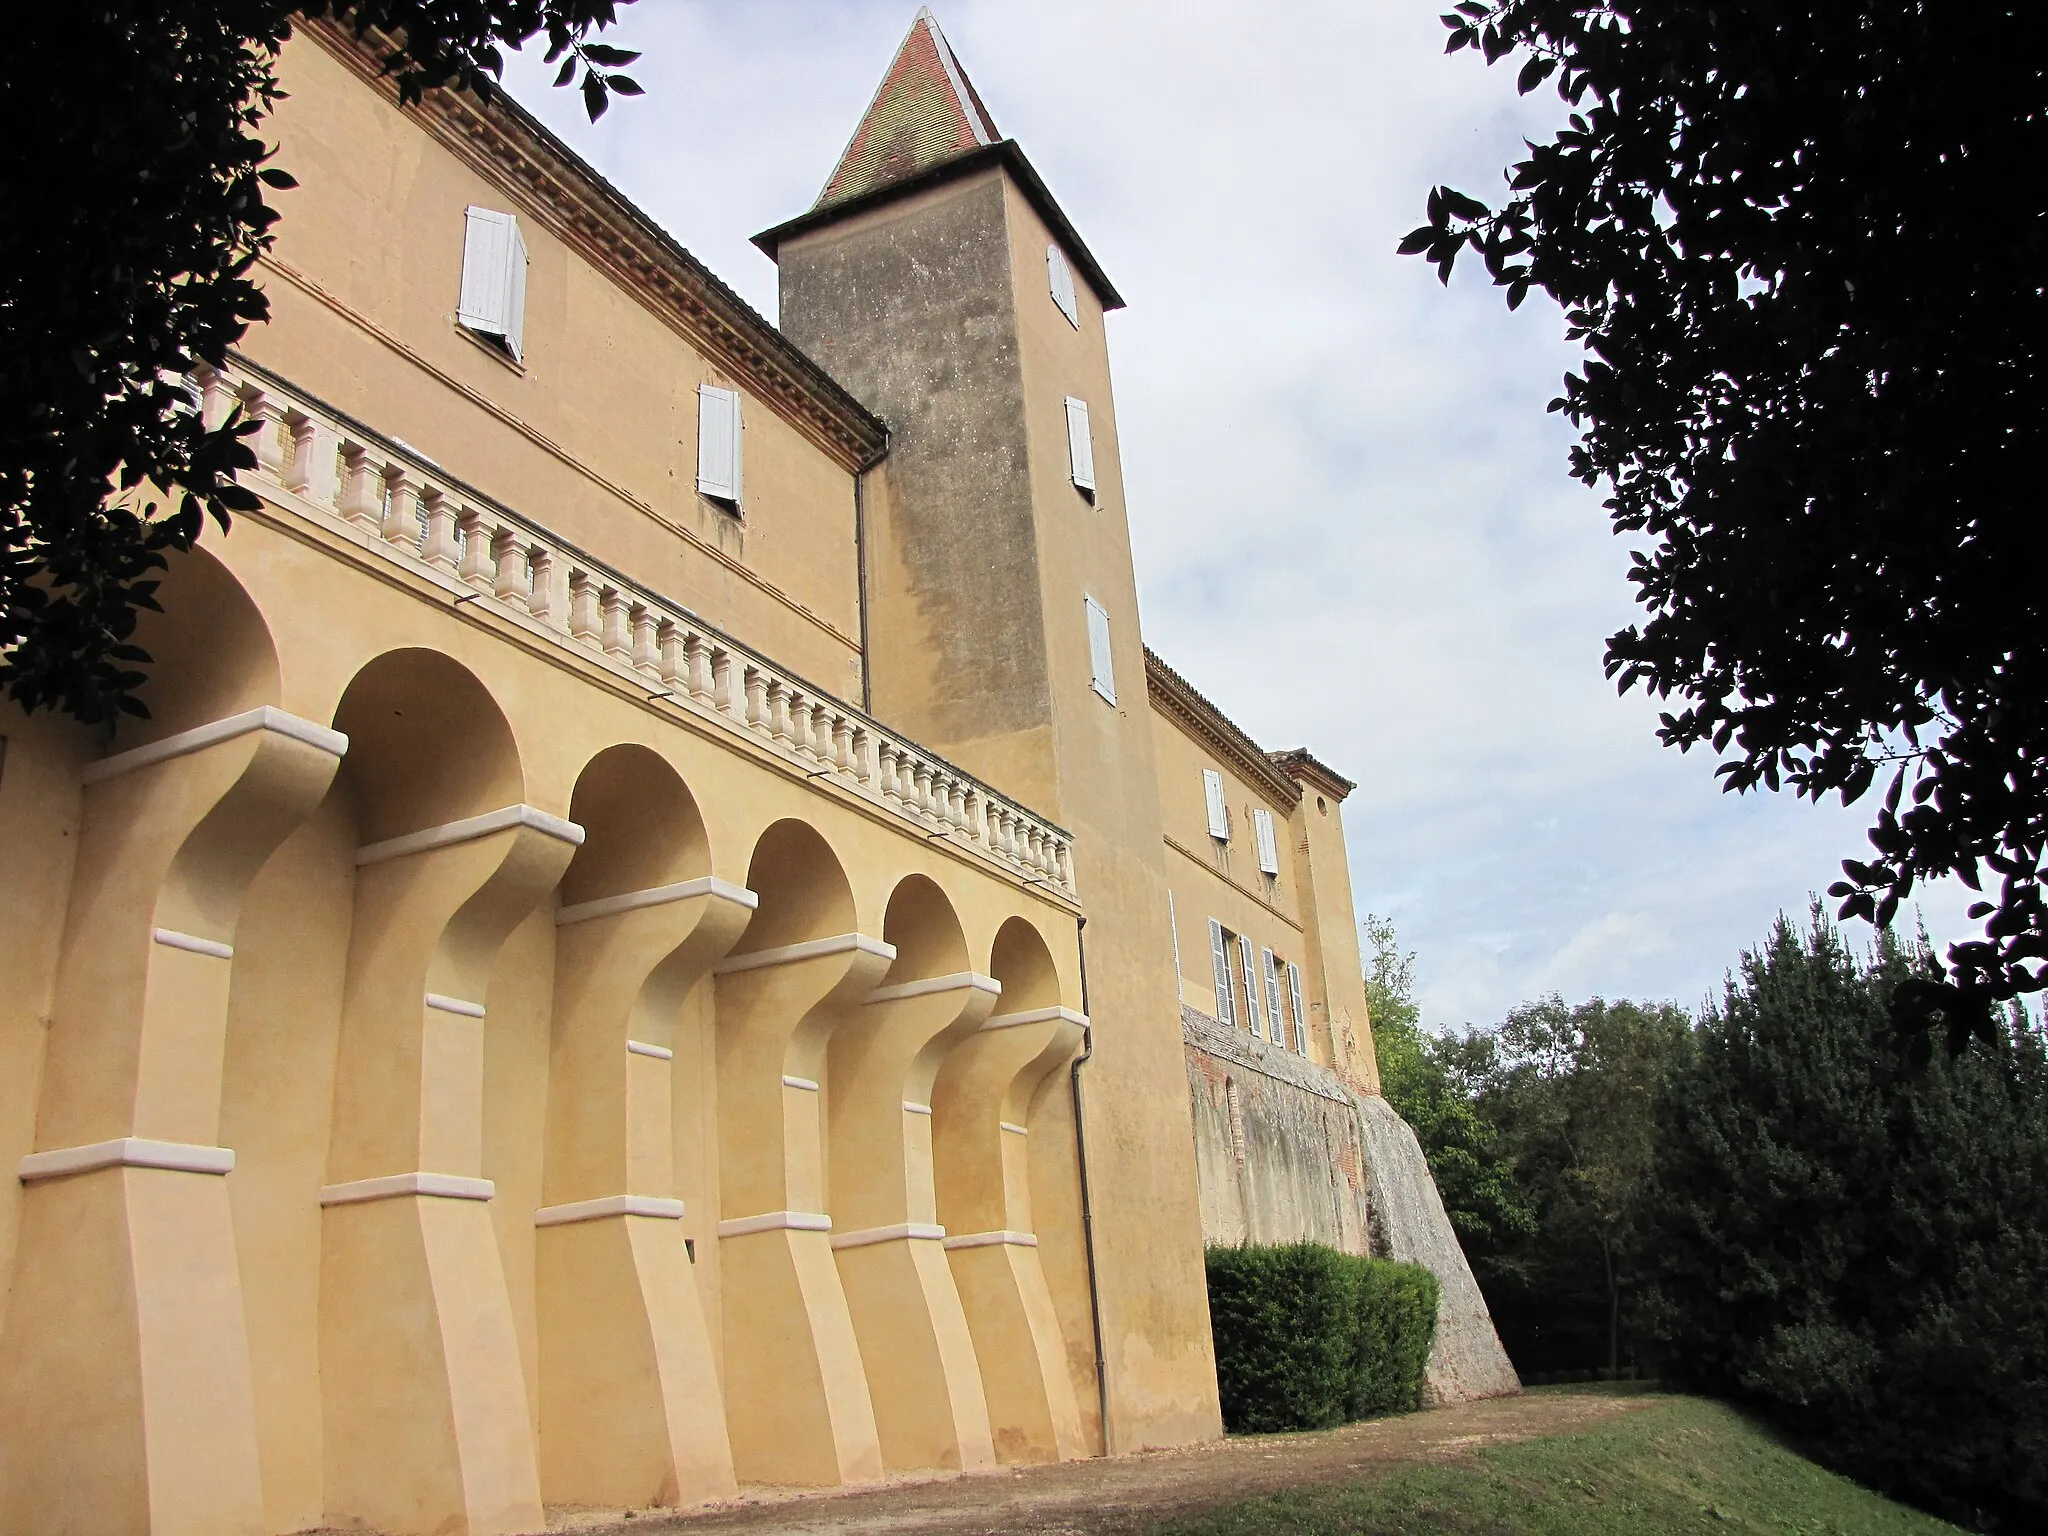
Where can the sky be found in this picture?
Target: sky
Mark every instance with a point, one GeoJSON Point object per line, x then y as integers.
{"type": "Point", "coordinates": [1352, 522]}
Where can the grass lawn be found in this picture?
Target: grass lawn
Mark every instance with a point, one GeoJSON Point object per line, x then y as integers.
{"type": "Point", "coordinates": [1683, 1464]}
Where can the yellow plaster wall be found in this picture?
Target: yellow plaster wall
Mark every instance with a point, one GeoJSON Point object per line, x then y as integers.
{"type": "Point", "coordinates": [594, 432]}
{"type": "Point", "coordinates": [1153, 1295]}
{"type": "Point", "coordinates": [39, 811]}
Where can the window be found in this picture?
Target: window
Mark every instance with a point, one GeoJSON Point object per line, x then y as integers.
{"type": "Point", "coordinates": [1270, 973]}
{"type": "Point", "coordinates": [1219, 811]}
{"type": "Point", "coordinates": [1300, 1013]}
{"type": "Point", "coordinates": [1062, 278]}
{"type": "Point", "coordinates": [1080, 446]}
{"type": "Point", "coordinates": [1255, 1016]}
{"type": "Point", "coordinates": [1219, 962]}
{"type": "Point", "coordinates": [1269, 847]}
{"type": "Point", "coordinates": [1103, 680]}
{"type": "Point", "coordinates": [718, 444]}
{"type": "Point", "coordinates": [493, 303]}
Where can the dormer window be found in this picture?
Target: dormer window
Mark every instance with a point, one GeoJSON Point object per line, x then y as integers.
{"type": "Point", "coordinates": [1062, 278]}
{"type": "Point", "coordinates": [493, 304]}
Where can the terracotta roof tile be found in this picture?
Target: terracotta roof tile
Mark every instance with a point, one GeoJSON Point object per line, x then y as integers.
{"type": "Point", "coordinates": [925, 113]}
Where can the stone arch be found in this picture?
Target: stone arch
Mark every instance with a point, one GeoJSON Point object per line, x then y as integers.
{"type": "Point", "coordinates": [921, 923]}
{"type": "Point", "coordinates": [641, 826]}
{"type": "Point", "coordinates": [802, 886]}
{"type": "Point", "coordinates": [1024, 965]}
{"type": "Point", "coordinates": [428, 744]}
{"type": "Point", "coordinates": [211, 652]}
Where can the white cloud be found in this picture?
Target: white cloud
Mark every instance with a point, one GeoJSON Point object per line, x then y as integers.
{"type": "Point", "coordinates": [1350, 511]}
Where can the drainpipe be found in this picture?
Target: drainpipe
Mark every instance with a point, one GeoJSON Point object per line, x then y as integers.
{"type": "Point", "coordinates": [860, 558]}
{"type": "Point", "coordinates": [1087, 1205]}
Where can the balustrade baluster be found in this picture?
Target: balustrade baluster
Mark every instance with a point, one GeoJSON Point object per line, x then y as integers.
{"type": "Point", "coordinates": [583, 608]}
{"type": "Point", "coordinates": [616, 641]}
{"type": "Point", "coordinates": [440, 545]}
{"type": "Point", "coordinates": [723, 696]}
{"type": "Point", "coordinates": [757, 698]}
{"type": "Point", "coordinates": [540, 587]}
{"type": "Point", "coordinates": [362, 496]}
{"type": "Point", "coordinates": [778, 708]}
{"type": "Point", "coordinates": [302, 468]}
{"type": "Point", "coordinates": [842, 743]}
{"type": "Point", "coordinates": [646, 639]}
{"type": "Point", "coordinates": [477, 560]}
{"type": "Point", "coordinates": [675, 657]}
{"type": "Point", "coordinates": [508, 560]}
{"type": "Point", "coordinates": [699, 657]}
{"type": "Point", "coordinates": [399, 510]}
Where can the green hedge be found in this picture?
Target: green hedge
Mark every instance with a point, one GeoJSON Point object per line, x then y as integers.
{"type": "Point", "coordinates": [1307, 1337]}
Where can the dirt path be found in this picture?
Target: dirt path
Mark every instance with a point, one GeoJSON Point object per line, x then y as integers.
{"type": "Point", "coordinates": [1102, 1498]}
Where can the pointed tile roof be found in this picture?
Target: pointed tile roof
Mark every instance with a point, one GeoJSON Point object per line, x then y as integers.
{"type": "Point", "coordinates": [925, 113]}
{"type": "Point", "coordinates": [925, 126]}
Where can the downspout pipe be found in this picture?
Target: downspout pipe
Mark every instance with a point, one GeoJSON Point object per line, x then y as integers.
{"type": "Point", "coordinates": [860, 557]}
{"type": "Point", "coordinates": [1087, 1204]}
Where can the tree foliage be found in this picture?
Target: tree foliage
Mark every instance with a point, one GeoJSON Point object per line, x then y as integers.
{"type": "Point", "coordinates": [135, 174]}
{"type": "Point", "coordinates": [1428, 1082]}
{"type": "Point", "coordinates": [1856, 1246]}
{"type": "Point", "coordinates": [1572, 1091]}
{"type": "Point", "coordinates": [1796, 239]}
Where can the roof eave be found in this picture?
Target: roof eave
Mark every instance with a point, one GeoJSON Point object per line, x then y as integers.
{"type": "Point", "coordinates": [1004, 152]}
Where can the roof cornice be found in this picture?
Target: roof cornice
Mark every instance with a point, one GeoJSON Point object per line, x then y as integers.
{"type": "Point", "coordinates": [1302, 764]}
{"type": "Point", "coordinates": [505, 142]}
{"type": "Point", "coordinates": [1004, 153]}
{"type": "Point", "coordinates": [1177, 697]}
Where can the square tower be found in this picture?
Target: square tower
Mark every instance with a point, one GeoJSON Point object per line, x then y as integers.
{"type": "Point", "coordinates": [938, 280]}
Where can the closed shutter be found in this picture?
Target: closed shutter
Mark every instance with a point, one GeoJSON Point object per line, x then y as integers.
{"type": "Point", "coordinates": [1255, 1016]}
{"type": "Point", "coordinates": [515, 294]}
{"type": "Point", "coordinates": [1103, 678]}
{"type": "Point", "coordinates": [1219, 811]}
{"type": "Point", "coordinates": [1173, 927]}
{"type": "Point", "coordinates": [493, 302]}
{"type": "Point", "coordinates": [1300, 1013]}
{"type": "Point", "coordinates": [1061, 276]}
{"type": "Point", "coordinates": [1080, 446]}
{"type": "Point", "coordinates": [1219, 959]}
{"type": "Point", "coordinates": [718, 443]}
{"type": "Point", "coordinates": [1269, 849]}
{"type": "Point", "coordinates": [1271, 971]}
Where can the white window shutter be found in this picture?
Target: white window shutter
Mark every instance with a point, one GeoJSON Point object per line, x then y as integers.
{"type": "Point", "coordinates": [1271, 971]}
{"type": "Point", "coordinates": [515, 291]}
{"type": "Point", "coordinates": [1255, 1016]}
{"type": "Point", "coordinates": [718, 443]}
{"type": "Point", "coordinates": [1219, 812]}
{"type": "Point", "coordinates": [1080, 446]}
{"type": "Point", "coordinates": [1173, 927]}
{"type": "Point", "coordinates": [1061, 277]}
{"type": "Point", "coordinates": [1269, 848]}
{"type": "Point", "coordinates": [1219, 959]}
{"type": "Point", "coordinates": [1300, 1013]}
{"type": "Point", "coordinates": [490, 245]}
{"type": "Point", "coordinates": [1103, 680]}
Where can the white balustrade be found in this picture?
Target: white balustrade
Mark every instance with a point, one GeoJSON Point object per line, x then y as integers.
{"type": "Point", "coordinates": [418, 516]}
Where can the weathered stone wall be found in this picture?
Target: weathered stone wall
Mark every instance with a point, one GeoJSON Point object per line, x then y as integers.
{"type": "Point", "coordinates": [1467, 1360]}
{"type": "Point", "coordinates": [1277, 1145]}
{"type": "Point", "coordinates": [1286, 1153]}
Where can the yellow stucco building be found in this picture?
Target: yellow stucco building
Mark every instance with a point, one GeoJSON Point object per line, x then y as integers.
{"type": "Point", "coordinates": [647, 940]}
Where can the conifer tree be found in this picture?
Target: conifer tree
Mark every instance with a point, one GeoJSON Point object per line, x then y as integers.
{"type": "Point", "coordinates": [1855, 1244]}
